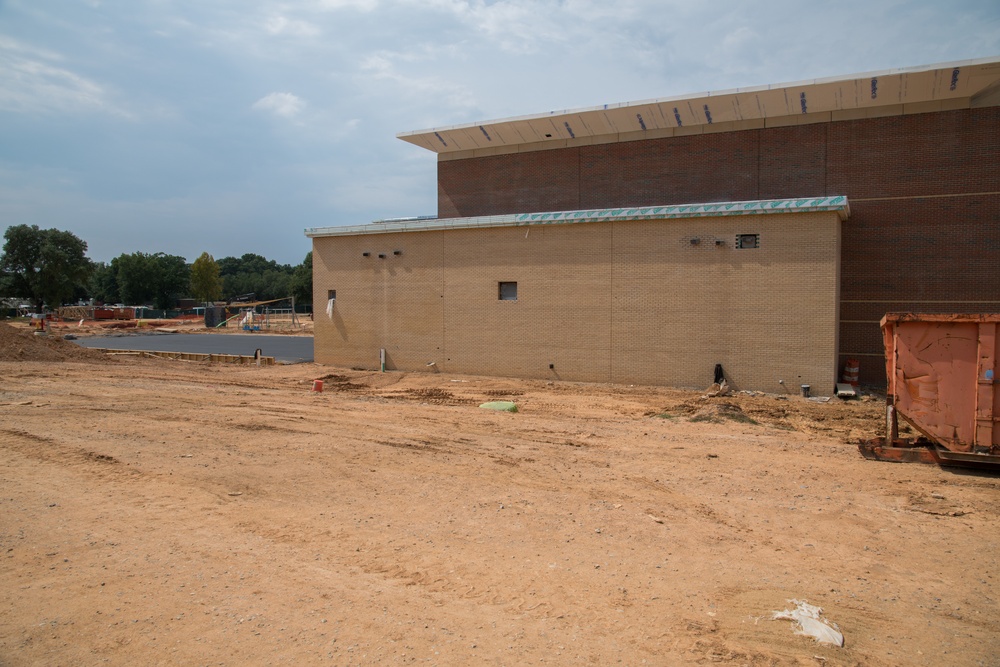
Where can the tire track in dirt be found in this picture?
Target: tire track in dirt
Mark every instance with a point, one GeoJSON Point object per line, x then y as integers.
{"type": "Point", "coordinates": [684, 504]}
{"type": "Point", "coordinates": [47, 450]}
{"type": "Point", "coordinates": [375, 561]}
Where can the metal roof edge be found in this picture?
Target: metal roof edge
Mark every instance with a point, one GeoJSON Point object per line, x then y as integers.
{"type": "Point", "coordinates": [701, 95]}
{"type": "Point", "coordinates": [836, 203]}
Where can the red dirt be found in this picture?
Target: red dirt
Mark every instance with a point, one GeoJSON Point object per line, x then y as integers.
{"type": "Point", "coordinates": [24, 345]}
{"type": "Point", "coordinates": [156, 512]}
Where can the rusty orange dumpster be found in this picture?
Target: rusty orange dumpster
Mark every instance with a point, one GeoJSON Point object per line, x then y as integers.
{"type": "Point", "coordinates": [942, 380]}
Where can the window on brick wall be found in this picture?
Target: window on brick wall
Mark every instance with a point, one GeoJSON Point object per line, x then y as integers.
{"type": "Point", "coordinates": [331, 298]}
{"type": "Point", "coordinates": [747, 241]}
{"type": "Point", "coordinates": [507, 291]}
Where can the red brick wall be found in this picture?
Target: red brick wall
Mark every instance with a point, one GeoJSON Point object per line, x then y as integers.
{"type": "Point", "coordinates": [921, 235]}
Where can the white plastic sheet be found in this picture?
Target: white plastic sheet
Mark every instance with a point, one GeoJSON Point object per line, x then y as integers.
{"type": "Point", "coordinates": [811, 623]}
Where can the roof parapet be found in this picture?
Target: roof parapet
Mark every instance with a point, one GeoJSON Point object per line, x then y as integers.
{"type": "Point", "coordinates": [838, 204]}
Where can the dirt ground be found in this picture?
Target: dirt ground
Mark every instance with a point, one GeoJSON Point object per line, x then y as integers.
{"type": "Point", "coordinates": [85, 328]}
{"type": "Point", "coordinates": [163, 513]}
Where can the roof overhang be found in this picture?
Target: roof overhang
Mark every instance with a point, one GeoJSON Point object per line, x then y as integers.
{"type": "Point", "coordinates": [837, 204]}
{"type": "Point", "coordinates": [940, 87]}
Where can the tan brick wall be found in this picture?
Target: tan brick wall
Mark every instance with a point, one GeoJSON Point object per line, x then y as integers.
{"type": "Point", "coordinates": [625, 302]}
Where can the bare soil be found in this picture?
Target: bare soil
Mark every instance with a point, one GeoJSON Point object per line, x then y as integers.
{"type": "Point", "coordinates": [22, 344]}
{"type": "Point", "coordinates": [88, 328]}
{"type": "Point", "coordinates": [156, 512]}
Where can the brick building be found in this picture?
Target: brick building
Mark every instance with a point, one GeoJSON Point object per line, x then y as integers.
{"type": "Point", "coordinates": [832, 202]}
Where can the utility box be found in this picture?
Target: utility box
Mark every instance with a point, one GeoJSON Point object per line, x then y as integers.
{"type": "Point", "coordinates": [214, 316]}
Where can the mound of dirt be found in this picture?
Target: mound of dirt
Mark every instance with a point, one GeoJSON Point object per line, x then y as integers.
{"type": "Point", "coordinates": [16, 345]}
{"type": "Point", "coordinates": [718, 412]}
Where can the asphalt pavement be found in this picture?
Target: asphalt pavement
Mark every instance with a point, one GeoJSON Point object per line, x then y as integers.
{"type": "Point", "coordinates": [284, 349]}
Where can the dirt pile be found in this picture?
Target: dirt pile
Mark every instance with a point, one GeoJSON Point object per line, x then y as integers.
{"type": "Point", "coordinates": [16, 345]}
{"type": "Point", "coordinates": [716, 413]}
{"type": "Point", "coordinates": [836, 418]}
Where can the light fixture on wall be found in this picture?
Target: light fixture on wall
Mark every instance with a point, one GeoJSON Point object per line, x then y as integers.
{"type": "Point", "coordinates": [397, 252]}
{"type": "Point", "coordinates": [366, 254]}
{"type": "Point", "coordinates": [381, 255]}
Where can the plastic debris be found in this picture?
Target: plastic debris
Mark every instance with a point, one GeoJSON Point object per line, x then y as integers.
{"type": "Point", "coordinates": [845, 390]}
{"type": "Point", "coordinates": [717, 389]}
{"type": "Point", "coordinates": [811, 623]}
{"type": "Point", "coordinates": [503, 406]}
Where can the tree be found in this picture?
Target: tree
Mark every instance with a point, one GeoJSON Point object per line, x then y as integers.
{"type": "Point", "coordinates": [255, 274]}
{"type": "Point", "coordinates": [46, 266]}
{"type": "Point", "coordinates": [206, 283]}
{"type": "Point", "coordinates": [173, 279]}
{"type": "Point", "coordinates": [104, 284]}
{"type": "Point", "coordinates": [157, 278]}
{"type": "Point", "coordinates": [302, 281]}
{"type": "Point", "coordinates": [134, 277]}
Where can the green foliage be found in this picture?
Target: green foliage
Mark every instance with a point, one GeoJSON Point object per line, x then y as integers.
{"type": "Point", "coordinates": [103, 286]}
{"type": "Point", "coordinates": [158, 278]}
{"type": "Point", "coordinates": [302, 281]}
{"type": "Point", "coordinates": [254, 274]}
{"type": "Point", "coordinates": [48, 266]}
{"type": "Point", "coordinates": [206, 283]}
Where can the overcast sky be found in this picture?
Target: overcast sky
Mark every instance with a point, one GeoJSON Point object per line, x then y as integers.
{"type": "Point", "coordinates": [229, 126]}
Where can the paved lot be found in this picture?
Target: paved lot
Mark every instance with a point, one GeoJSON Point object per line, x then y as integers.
{"type": "Point", "coordinates": [287, 349]}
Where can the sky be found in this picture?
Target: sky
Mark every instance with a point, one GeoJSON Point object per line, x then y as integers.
{"type": "Point", "coordinates": [230, 126]}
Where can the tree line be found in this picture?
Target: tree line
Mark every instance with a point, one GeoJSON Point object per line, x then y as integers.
{"type": "Point", "coordinates": [50, 268]}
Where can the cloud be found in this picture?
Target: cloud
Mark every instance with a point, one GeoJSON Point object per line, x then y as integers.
{"type": "Point", "coordinates": [30, 85]}
{"type": "Point", "coordinates": [282, 25]}
{"type": "Point", "coordinates": [529, 27]}
{"type": "Point", "coordinates": [360, 5]}
{"type": "Point", "coordinates": [402, 73]}
{"type": "Point", "coordinates": [286, 105]}
{"type": "Point", "coordinates": [223, 222]}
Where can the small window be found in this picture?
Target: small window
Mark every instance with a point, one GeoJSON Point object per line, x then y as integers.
{"type": "Point", "coordinates": [507, 292]}
{"type": "Point", "coordinates": [331, 299]}
{"type": "Point", "coordinates": [747, 241]}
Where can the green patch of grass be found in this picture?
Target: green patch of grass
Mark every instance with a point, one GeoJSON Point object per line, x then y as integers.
{"type": "Point", "coordinates": [708, 419]}
{"type": "Point", "coordinates": [742, 418]}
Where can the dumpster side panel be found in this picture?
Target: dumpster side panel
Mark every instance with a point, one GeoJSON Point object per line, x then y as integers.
{"type": "Point", "coordinates": [987, 399]}
{"type": "Point", "coordinates": [935, 379]}
{"type": "Point", "coordinates": [996, 393]}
